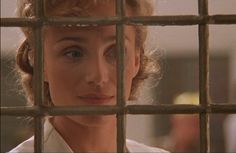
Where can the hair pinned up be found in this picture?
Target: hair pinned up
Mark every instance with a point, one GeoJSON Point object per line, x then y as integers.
{"type": "Point", "coordinates": [72, 8]}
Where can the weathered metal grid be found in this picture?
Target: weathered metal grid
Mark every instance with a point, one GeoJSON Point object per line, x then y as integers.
{"type": "Point", "coordinates": [204, 109]}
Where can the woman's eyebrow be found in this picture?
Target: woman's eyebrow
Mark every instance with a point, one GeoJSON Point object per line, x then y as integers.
{"type": "Point", "coordinates": [112, 38]}
{"type": "Point", "coordinates": [73, 38]}
{"type": "Point", "coordinates": [82, 39]}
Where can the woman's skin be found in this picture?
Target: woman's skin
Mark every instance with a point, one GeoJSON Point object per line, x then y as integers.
{"type": "Point", "coordinates": [80, 68]}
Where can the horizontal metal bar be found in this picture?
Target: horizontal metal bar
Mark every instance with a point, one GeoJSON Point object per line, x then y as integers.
{"type": "Point", "coordinates": [180, 109]}
{"type": "Point", "coordinates": [20, 111]}
{"type": "Point", "coordinates": [222, 19]}
{"type": "Point", "coordinates": [130, 109]}
{"type": "Point", "coordinates": [164, 109]}
{"type": "Point", "coordinates": [165, 20]}
{"type": "Point", "coordinates": [19, 22]}
{"type": "Point", "coordinates": [222, 108]}
{"type": "Point", "coordinates": [80, 110]}
{"type": "Point", "coordinates": [182, 20]}
{"type": "Point", "coordinates": [80, 21]}
{"type": "Point", "coordinates": [141, 20]}
{"type": "Point", "coordinates": [62, 21]}
{"type": "Point", "coordinates": [83, 110]}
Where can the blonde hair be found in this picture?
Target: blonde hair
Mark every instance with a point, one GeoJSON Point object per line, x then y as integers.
{"type": "Point", "coordinates": [77, 8]}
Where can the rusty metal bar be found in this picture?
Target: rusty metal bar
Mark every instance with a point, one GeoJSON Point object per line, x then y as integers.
{"type": "Point", "coordinates": [19, 22]}
{"type": "Point", "coordinates": [181, 20]}
{"type": "Point", "coordinates": [120, 59]}
{"type": "Point", "coordinates": [203, 32]}
{"type": "Point", "coordinates": [180, 109]}
{"type": "Point", "coordinates": [19, 111]}
{"type": "Point", "coordinates": [38, 77]}
{"type": "Point", "coordinates": [121, 117]}
{"type": "Point", "coordinates": [165, 20]}
{"type": "Point", "coordinates": [130, 109]}
{"type": "Point", "coordinates": [38, 89]}
{"type": "Point", "coordinates": [223, 108]}
{"type": "Point", "coordinates": [59, 110]}
{"type": "Point", "coordinates": [82, 21]}
{"type": "Point", "coordinates": [1, 83]}
{"type": "Point", "coordinates": [141, 20]}
{"type": "Point", "coordinates": [164, 109]}
{"type": "Point", "coordinates": [222, 19]}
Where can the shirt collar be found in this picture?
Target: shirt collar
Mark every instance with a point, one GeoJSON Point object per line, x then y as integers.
{"type": "Point", "coordinates": [53, 141]}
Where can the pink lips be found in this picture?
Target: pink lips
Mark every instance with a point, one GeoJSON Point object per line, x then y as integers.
{"type": "Point", "coordinates": [96, 98]}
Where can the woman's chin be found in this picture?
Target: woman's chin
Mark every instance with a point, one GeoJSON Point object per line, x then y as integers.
{"type": "Point", "coordinates": [93, 120]}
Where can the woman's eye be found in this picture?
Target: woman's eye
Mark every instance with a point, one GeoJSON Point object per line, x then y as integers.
{"type": "Point", "coordinates": [112, 53]}
{"type": "Point", "coordinates": [74, 53]}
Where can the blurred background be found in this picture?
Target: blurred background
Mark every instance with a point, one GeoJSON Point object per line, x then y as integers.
{"type": "Point", "coordinates": [177, 50]}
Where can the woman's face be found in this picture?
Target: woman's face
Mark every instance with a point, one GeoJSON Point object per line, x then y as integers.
{"type": "Point", "coordinates": [80, 64]}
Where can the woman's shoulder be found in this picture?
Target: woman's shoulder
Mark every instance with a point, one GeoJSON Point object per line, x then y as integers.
{"type": "Point", "coordinates": [26, 146]}
{"type": "Point", "coordinates": [136, 147]}
{"type": "Point", "coordinates": [133, 146]}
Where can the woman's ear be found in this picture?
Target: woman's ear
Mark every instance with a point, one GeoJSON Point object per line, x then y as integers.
{"type": "Point", "coordinates": [45, 74]}
{"type": "Point", "coordinates": [31, 57]}
{"type": "Point", "coordinates": [137, 61]}
{"type": "Point", "coordinates": [31, 62]}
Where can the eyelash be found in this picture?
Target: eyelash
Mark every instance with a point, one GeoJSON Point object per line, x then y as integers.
{"type": "Point", "coordinates": [69, 52]}
{"type": "Point", "coordinates": [75, 52]}
{"type": "Point", "coordinates": [112, 49]}
{"type": "Point", "coordinates": [111, 52]}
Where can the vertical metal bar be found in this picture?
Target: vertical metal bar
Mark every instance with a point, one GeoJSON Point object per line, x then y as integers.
{"type": "Point", "coordinates": [1, 90]}
{"type": "Point", "coordinates": [1, 78]}
{"type": "Point", "coordinates": [38, 77]}
{"type": "Point", "coordinates": [203, 32]}
{"type": "Point", "coordinates": [121, 138]}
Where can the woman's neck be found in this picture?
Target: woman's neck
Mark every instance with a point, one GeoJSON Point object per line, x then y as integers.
{"type": "Point", "coordinates": [81, 137]}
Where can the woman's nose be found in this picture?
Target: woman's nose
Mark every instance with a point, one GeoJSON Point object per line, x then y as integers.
{"type": "Point", "coordinates": [97, 73]}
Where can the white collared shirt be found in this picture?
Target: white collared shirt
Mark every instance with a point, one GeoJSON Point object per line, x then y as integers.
{"type": "Point", "coordinates": [54, 143]}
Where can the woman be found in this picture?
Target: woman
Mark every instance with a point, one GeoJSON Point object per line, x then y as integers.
{"type": "Point", "coordinates": [80, 69]}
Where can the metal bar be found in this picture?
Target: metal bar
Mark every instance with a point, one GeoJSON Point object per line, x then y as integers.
{"type": "Point", "coordinates": [165, 20]}
{"type": "Point", "coordinates": [38, 88]}
{"type": "Point", "coordinates": [121, 117]}
{"type": "Point", "coordinates": [57, 110]}
{"type": "Point", "coordinates": [222, 19]}
{"type": "Point", "coordinates": [1, 85]}
{"type": "Point", "coordinates": [19, 111]}
{"type": "Point", "coordinates": [38, 134]}
{"type": "Point", "coordinates": [223, 108]}
{"type": "Point", "coordinates": [19, 22]}
{"type": "Point", "coordinates": [203, 32]}
{"type": "Point", "coordinates": [181, 20]}
{"type": "Point", "coordinates": [80, 21]}
{"type": "Point", "coordinates": [38, 77]}
{"type": "Point", "coordinates": [164, 109]}
{"type": "Point", "coordinates": [120, 64]}
{"type": "Point", "coordinates": [141, 20]}
{"type": "Point", "coordinates": [180, 109]}
{"type": "Point", "coordinates": [130, 109]}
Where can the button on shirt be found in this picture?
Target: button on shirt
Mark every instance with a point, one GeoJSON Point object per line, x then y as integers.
{"type": "Point", "coordinates": [54, 143]}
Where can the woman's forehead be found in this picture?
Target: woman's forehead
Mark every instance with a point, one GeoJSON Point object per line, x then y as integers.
{"type": "Point", "coordinates": [81, 8]}
{"type": "Point", "coordinates": [81, 29]}
{"type": "Point", "coordinates": [92, 8]}
{"type": "Point", "coordinates": [87, 29]}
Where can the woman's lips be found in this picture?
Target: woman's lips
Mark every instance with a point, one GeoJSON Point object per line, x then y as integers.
{"type": "Point", "coordinates": [96, 98]}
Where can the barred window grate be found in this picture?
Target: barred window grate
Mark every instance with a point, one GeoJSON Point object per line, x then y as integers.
{"type": "Point", "coordinates": [203, 20]}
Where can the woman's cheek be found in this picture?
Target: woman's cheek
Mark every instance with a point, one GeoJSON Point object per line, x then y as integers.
{"type": "Point", "coordinates": [61, 79]}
